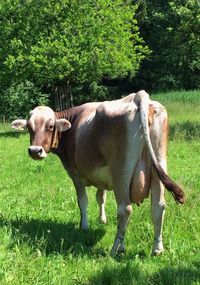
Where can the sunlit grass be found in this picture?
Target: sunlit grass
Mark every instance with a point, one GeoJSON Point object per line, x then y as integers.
{"type": "Point", "coordinates": [183, 97]}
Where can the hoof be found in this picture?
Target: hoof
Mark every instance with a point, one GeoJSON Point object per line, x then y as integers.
{"type": "Point", "coordinates": [102, 221]}
{"type": "Point", "coordinates": [112, 253]}
{"type": "Point", "coordinates": [157, 252]}
{"type": "Point", "coordinates": [118, 250]}
{"type": "Point", "coordinates": [121, 252]}
{"type": "Point", "coordinates": [121, 249]}
{"type": "Point", "coordinates": [118, 253]}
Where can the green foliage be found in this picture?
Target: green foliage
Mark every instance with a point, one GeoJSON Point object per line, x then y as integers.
{"type": "Point", "coordinates": [48, 42]}
{"type": "Point", "coordinates": [186, 40]}
{"type": "Point", "coordinates": [98, 92]}
{"type": "Point", "coordinates": [19, 99]}
{"type": "Point", "coordinates": [171, 29]}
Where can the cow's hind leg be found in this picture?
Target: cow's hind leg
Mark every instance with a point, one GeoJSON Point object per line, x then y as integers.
{"type": "Point", "coordinates": [101, 200]}
{"type": "Point", "coordinates": [159, 130]}
{"type": "Point", "coordinates": [82, 203]}
{"type": "Point", "coordinates": [123, 213]}
{"type": "Point", "coordinates": [121, 185]}
{"type": "Point", "coordinates": [158, 211]}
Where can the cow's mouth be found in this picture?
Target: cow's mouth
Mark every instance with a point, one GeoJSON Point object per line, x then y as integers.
{"type": "Point", "coordinates": [37, 152]}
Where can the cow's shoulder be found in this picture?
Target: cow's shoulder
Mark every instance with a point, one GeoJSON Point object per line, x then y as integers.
{"type": "Point", "coordinates": [117, 108]}
{"type": "Point", "coordinates": [81, 114]}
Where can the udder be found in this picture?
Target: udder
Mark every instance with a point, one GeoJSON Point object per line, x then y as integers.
{"type": "Point", "coordinates": [140, 184]}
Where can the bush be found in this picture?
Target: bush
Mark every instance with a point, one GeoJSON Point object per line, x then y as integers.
{"type": "Point", "coordinates": [20, 98]}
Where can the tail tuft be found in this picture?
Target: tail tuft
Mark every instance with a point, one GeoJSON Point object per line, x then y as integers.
{"type": "Point", "coordinates": [170, 185]}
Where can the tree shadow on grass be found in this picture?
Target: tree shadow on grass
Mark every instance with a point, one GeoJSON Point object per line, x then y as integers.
{"type": "Point", "coordinates": [132, 272]}
{"type": "Point", "coordinates": [50, 237]}
{"type": "Point", "coordinates": [187, 130]}
{"type": "Point", "coordinates": [11, 134]}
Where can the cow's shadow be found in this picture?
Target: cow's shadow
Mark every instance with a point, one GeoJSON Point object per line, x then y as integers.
{"type": "Point", "coordinates": [50, 237]}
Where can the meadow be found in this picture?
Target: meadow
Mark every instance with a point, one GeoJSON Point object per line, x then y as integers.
{"type": "Point", "coordinates": [40, 240]}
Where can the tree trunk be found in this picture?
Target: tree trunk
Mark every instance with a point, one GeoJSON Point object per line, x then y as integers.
{"type": "Point", "coordinates": [62, 96]}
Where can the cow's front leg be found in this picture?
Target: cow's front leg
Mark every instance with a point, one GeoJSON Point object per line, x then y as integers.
{"type": "Point", "coordinates": [101, 200]}
{"type": "Point", "coordinates": [123, 213]}
{"type": "Point", "coordinates": [158, 211]}
{"type": "Point", "coordinates": [82, 203]}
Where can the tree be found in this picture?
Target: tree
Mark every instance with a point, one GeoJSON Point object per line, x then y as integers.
{"type": "Point", "coordinates": [186, 42]}
{"type": "Point", "coordinates": [17, 100]}
{"type": "Point", "coordinates": [63, 45]}
{"type": "Point", "coordinates": [171, 29]}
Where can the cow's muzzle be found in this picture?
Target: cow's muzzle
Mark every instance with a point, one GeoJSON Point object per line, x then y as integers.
{"type": "Point", "coordinates": [37, 152]}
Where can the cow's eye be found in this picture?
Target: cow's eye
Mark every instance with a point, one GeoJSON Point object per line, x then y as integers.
{"type": "Point", "coordinates": [51, 128]}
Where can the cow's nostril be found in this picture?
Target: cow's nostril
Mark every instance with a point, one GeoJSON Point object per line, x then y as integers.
{"type": "Point", "coordinates": [35, 150]}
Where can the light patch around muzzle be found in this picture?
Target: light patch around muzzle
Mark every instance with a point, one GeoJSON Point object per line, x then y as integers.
{"type": "Point", "coordinates": [37, 152]}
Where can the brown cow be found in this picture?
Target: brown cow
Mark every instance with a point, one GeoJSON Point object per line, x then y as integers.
{"type": "Point", "coordinates": [119, 145]}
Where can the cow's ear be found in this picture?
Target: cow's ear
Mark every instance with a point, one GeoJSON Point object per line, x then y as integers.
{"type": "Point", "coordinates": [19, 125]}
{"type": "Point", "coordinates": [62, 125]}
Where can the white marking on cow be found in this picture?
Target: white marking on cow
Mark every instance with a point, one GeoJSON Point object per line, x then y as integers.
{"type": "Point", "coordinates": [101, 200]}
{"type": "Point", "coordinates": [42, 113]}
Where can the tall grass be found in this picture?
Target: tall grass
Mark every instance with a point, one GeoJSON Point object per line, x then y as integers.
{"type": "Point", "coordinates": [39, 219]}
{"type": "Point", "coordinates": [184, 113]}
{"type": "Point", "coordinates": [191, 97]}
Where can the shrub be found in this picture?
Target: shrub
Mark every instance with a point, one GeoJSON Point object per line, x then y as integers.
{"type": "Point", "coordinates": [20, 98]}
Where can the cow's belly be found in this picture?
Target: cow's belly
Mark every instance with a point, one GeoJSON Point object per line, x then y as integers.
{"type": "Point", "coordinates": [140, 184]}
{"type": "Point", "coordinates": [101, 178]}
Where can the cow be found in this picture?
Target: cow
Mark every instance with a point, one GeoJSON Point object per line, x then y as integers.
{"type": "Point", "coordinates": [117, 145]}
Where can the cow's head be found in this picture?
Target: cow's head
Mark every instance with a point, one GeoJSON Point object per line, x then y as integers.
{"type": "Point", "coordinates": [44, 129]}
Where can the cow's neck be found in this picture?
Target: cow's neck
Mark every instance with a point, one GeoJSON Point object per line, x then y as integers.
{"type": "Point", "coordinates": [62, 114]}
{"type": "Point", "coordinates": [66, 139]}
{"type": "Point", "coordinates": [70, 114]}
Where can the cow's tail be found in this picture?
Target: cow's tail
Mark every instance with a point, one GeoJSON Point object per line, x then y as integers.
{"type": "Point", "coordinates": [170, 185]}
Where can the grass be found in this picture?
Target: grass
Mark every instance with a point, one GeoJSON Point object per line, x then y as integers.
{"type": "Point", "coordinates": [184, 110]}
{"type": "Point", "coordinates": [39, 218]}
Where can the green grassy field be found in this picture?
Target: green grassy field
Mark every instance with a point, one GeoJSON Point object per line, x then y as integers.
{"type": "Point", "coordinates": [40, 242]}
